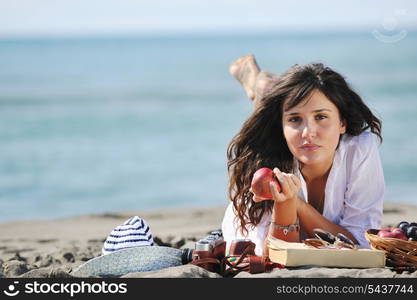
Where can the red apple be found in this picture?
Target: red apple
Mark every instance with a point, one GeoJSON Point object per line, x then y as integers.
{"type": "Point", "coordinates": [395, 233]}
{"type": "Point", "coordinates": [399, 234]}
{"type": "Point", "coordinates": [386, 234]}
{"type": "Point", "coordinates": [260, 183]}
{"type": "Point", "coordinates": [399, 230]}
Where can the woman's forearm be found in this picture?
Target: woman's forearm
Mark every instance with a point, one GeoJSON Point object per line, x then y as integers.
{"type": "Point", "coordinates": [284, 214]}
{"type": "Point", "coordinates": [310, 218]}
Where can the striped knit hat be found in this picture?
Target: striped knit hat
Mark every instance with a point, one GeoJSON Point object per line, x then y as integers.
{"type": "Point", "coordinates": [135, 232]}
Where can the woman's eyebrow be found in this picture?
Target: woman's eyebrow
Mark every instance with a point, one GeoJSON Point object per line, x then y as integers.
{"type": "Point", "coordinates": [313, 111]}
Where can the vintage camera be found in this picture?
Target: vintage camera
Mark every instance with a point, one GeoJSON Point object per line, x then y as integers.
{"type": "Point", "coordinates": [210, 242]}
{"type": "Point", "coordinates": [211, 247]}
{"type": "Point", "coordinates": [210, 254]}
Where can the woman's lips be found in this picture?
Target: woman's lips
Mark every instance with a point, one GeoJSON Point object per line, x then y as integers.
{"type": "Point", "coordinates": [310, 147]}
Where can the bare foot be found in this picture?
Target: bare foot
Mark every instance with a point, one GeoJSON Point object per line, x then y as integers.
{"type": "Point", "coordinates": [245, 70]}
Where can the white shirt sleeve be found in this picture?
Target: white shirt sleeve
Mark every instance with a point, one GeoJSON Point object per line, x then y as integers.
{"type": "Point", "coordinates": [363, 206]}
{"type": "Point", "coordinates": [257, 234]}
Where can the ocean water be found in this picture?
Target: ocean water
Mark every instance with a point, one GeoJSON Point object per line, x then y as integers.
{"type": "Point", "coordinates": [140, 123]}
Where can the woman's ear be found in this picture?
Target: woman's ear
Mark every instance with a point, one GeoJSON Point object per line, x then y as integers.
{"type": "Point", "coordinates": [342, 127]}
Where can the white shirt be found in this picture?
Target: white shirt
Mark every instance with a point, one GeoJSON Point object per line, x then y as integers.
{"type": "Point", "coordinates": [354, 193]}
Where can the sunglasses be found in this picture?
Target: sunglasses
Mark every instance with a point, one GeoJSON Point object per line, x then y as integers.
{"type": "Point", "coordinates": [326, 240]}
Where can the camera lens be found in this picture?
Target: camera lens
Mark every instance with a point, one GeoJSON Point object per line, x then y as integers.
{"type": "Point", "coordinates": [187, 256]}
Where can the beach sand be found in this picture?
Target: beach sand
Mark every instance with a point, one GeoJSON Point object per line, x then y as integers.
{"type": "Point", "coordinates": [52, 248]}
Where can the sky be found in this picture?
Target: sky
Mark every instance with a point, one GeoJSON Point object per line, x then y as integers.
{"type": "Point", "coordinates": [102, 17]}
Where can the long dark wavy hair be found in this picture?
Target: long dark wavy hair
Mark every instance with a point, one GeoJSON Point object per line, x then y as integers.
{"type": "Point", "coordinates": [261, 143]}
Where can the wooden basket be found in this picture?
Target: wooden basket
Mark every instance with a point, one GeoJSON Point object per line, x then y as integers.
{"type": "Point", "coordinates": [399, 253]}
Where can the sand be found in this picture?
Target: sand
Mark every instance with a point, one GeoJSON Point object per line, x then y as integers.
{"type": "Point", "coordinates": [52, 248]}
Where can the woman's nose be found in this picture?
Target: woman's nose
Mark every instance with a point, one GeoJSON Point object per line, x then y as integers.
{"type": "Point", "coordinates": [309, 130]}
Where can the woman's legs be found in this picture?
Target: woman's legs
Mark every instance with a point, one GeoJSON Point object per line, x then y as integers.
{"type": "Point", "coordinates": [255, 82]}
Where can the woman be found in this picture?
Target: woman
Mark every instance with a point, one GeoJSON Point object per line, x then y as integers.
{"type": "Point", "coordinates": [321, 141]}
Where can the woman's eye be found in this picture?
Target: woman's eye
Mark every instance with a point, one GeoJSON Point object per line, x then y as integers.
{"type": "Point", "coordinates": [294, 119]}
{"type": "Point", "coordinates": [321, 117]}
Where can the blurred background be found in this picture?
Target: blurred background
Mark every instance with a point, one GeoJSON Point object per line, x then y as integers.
{"type": "Point", "coordinates": [128, 105]}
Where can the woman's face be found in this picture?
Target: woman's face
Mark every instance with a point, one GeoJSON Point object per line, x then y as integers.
{"type": "Point", "coordinates": [312, 129]}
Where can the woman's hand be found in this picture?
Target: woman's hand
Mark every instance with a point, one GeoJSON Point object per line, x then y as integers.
{"type": "Point", "coordinates": [290, 186]}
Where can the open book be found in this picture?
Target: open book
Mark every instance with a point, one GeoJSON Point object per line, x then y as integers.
{"type": "Point", "coordinates": [299, 254]}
